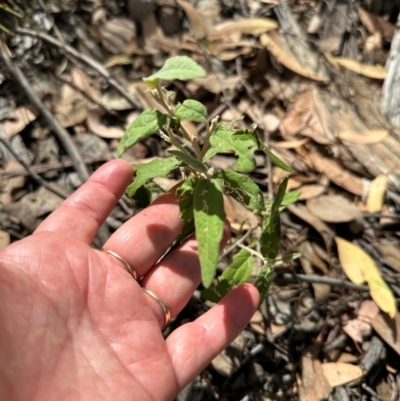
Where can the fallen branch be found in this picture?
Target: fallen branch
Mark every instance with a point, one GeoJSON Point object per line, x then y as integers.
{"type": "Point", "coordinates": [85, 59]}
{"type": "Point", "coordinates": [33, 174]}
{"type": "Point", "coordinates": [293, 278]}
{"type": "Point", "coordinates": [59, 131]}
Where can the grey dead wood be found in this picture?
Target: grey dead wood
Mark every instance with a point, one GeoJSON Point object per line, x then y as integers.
{"type": "Point", "coordinates": [373, 355]}
{"type": "Point", "coordinates": [390, 105]}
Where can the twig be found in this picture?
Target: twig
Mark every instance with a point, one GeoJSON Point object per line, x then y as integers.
{"type": "Point", "coordinates": [320, 280]}
{"type": "Point", "coordinates": [34, 175]}
{"type": "Point", "coordinates": [59, 131]}
{"type": "Point", "coordinates": [238, 242]}
{"type": "Point", "coordinates": [85, 59]}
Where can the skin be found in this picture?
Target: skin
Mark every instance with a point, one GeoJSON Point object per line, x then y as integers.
{"type": "Point", "coordinates": [75, 325]}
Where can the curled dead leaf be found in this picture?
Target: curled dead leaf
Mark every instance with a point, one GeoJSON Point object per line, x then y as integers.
{"type": "Point", "coordinates": [369, 137]}
{"type": "Point", "coordinates": [287, 60]}
{"type": "Point", "coordinates": [370, 71]}
{"type": "Point", "coordinates": [96, 127]}
{"type": "Point", "coordinates": [247, 26]}
{"type": "Point", "coordinates": [333, 209]}
{"type": "Point", "coordinates": [22, 116]}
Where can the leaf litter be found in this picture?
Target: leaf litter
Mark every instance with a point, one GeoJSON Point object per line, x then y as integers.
{"type": "Point", "coordinates": [324, 121]}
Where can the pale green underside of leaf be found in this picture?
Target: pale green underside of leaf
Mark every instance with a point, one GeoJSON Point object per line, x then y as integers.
{"type": "Point", "coordinates": [241, 188]}
{"type": "Point", "coordinates": [271, 236]}
{"type": "Point", "coordinates": [237, 273]}
{"type": "Point", "coordinates": [148, 122]}
{"type": "Point", "coordinates": [191, 110]}
{"type": "Point", "coordinates": [263, 281]}
{"type": "Point", "coordinates": [242, 144]}
{"type": "Point", "coordinates": [209, 218]}
{"type": "Point", "coordinates": [156, 168]}
{"type": "Point", "coordinates": [190, 160]}
{"type": "Point", "coordinates": [180, 67]}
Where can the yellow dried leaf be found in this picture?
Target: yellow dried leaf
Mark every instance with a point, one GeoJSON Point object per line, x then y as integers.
{"type": "Point", "coordinates": [370, 71]}
{"type": "Point", "coordinates": [287, 60]}
{"type": "Point", "coordinates": [340, 373]}
{"type": "Point", "coordinates": [382, 295]}
{"type": "Point", "coordinates": [360, 267]}
{"type": "Point", "coordinates": [247, 26]}
{"type": "Point", "coordinates": [351, 257]}
{"type": "Point", "coordinates": [376, 194]}
{"type": "Point", "coordinates": [363, 138]}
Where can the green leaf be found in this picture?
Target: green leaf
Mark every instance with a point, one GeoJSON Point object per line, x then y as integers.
{"type": "Point", "coordinates": [241, 188]}
{"type": "Point", "coordinates": [191, 110]}
{"type": "Point", "coordinates": [209, 219]}
{"type": "Point", "coordinates": [187, 230]}
{"type": "Point", "coordinates": [180, 67]}
{"type": "Point", "coordinates": [186, 191]}
{"type": "Point", "coordinates": [271, 236]}
{"type": "Point", "coordinates": [141, 198]}
{"type": "Point", "coordinates": [191, 161]}
{"type": "Point", "coordinates": [264, 280]}
{"type": "Point", "coordinates": [237, 273]}
{"type": "Point", "coordinates": [290, 197]}
{"type": "Point", "coordinates": [148, 122]}
{"type": "Point", "coordinates": [156, 168]}
{"type": "Point", "coordinates": [275, 159]}
{"type": "Point", "coordinates": [242, 143]}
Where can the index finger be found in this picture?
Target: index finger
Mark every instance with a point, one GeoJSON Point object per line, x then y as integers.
{"type": "Point", "coordinates": [81, 215]}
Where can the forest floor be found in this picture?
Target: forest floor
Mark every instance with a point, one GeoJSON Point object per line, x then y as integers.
{"type": "Point", "coordinates": [311, 75]}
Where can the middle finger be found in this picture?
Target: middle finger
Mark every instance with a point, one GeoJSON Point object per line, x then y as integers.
{"type": "Point", "coordinates": [143, 239]}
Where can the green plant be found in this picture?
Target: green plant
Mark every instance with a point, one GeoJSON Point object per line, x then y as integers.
{"type": "Point", "coordinates": [201, 204]}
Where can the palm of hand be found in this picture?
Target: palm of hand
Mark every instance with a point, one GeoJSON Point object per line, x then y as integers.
{"type": "Point", "coordinates": [74, 324]}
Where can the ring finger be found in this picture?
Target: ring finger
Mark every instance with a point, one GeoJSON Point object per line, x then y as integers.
{"type": "Point", "coordinates": [175, 278]}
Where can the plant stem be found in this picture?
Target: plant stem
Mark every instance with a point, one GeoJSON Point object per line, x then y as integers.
{"type": "Point", "coordinates": [210, 129]}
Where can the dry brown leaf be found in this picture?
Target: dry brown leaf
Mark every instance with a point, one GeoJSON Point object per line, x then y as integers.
{"type": "Point", "coordinates": [12, 183]}
{"type": "Point", "coordinates": [311, 191]}
{"type": "Point", "coordinates": [247, 26]}
{"type": "Point", "coordinates": [307, 117]}
{"type": "Point", "coordinates": [333, 209]}
{"type": "Point", "coordinates": [22, 116]}
{"type": "Point", "coordinates": [388, 329]}
{"type": "Point", "coordinates": [321, 291]}
{"type": "Point", "coordinates": [96, 127]}
{"type": "Point", "coordinates": [292, 144]}
{"type": "Point", "coordinates": [118, 36]}
{"type": "Point", "coordinates": [301, 212]}
{"type": "Point", "coordinates": [287, 60]}
{"type": "Point", "coordinates": [332, 169]}
{"type": "Point", "coordinates": [313, 385]}
{"type": "Point", "coordinates": [376, 193]}
{"type": "Point", "coordinates": [229, 51]}
{"type": "Point", "coordinates": [238, 215]}
{"type": "Point", "coordinates": [340, 373]}
{"type": "Point", "coordinates": [360, 267]}
{"type": "Point", "coordinates": [391, 253]}
{"type": "Point", "coordinates": [4, 239]}
{"type": "Point", "coordinates": [361, 327]}
{"type": "Point", "coordinates": [214, 83]}
{"type": "Point", "coordinates": [370, 71]}
{"type": "Point", "coordinates": [374, 23]}
{"type": "Point", "coordinates": [119, 59]}
{"type": "Point", "coordinates": [363, 138]}
{"type": "Point", "coordinates": [72, 108]}
{"type": "Point", "coordinates": [200, 26]}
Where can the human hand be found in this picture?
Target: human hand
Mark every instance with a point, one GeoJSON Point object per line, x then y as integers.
{"type": "Point", "coordinates": [75, 325]}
